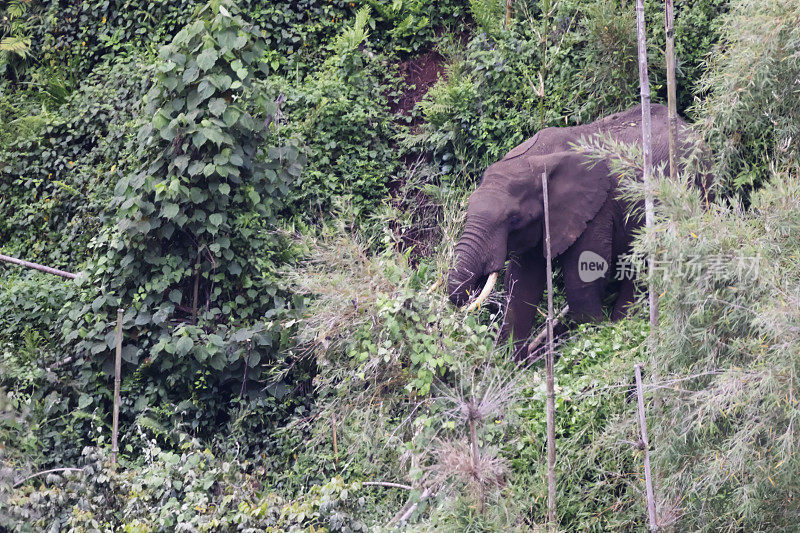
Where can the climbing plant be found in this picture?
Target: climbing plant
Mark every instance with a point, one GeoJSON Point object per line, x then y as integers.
{"type": "Point", "coordinates": [190, 255]}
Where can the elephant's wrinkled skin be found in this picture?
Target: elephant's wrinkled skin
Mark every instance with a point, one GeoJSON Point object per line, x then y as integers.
{"type": "Point", "coordinates": [505, 220]}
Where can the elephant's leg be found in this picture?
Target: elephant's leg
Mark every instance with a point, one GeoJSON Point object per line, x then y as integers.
{"type": "Point", "coordinates": [587, 267]}
{"type": "Point", "coordinates": [625, 297]}
{"type": "Point", "coordinates": [524, 286]}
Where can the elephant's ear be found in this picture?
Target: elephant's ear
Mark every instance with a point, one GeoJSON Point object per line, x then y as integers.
{"type": "Point", "coordinates": [577, 189]}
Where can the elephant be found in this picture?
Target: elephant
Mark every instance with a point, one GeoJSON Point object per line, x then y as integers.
{"type": "Point", "coordinates": [589, 225]}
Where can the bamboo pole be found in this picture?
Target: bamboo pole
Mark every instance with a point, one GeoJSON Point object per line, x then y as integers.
{"type": "Point", "coordinates": [37, 266]}
{"type": "Point", "coordinates": [117, 380]}
{"type": "Point", "coordinates": [648, 479]}
{"type": "Point", "coordinates": [335, 445]}
{"type": "Point", "coordinates": [550, 378]}
{"type": "Point", "coordinates": [669, 30]}
{"type": "Point", "coordinates": [509, 8]}
{"type": "Point", "coordinates": [647, 152]}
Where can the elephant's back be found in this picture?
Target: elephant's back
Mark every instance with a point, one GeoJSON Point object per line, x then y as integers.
{"type": "Point", "coordinates": [546, 141]}
{"type": "Point", "coordinates": [625, 126]}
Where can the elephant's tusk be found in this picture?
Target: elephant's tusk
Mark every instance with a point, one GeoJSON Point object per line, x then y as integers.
{"type": "Point", "coordinates": [435, 286]}
{"type": "Point", "coordinates": [490, 281]}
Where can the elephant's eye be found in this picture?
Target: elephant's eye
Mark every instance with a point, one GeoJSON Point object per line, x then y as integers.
{"type": "Point", "coordinates": [514, 221]}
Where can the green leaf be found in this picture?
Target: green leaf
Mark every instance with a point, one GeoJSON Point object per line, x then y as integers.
{"type": "Point", "coordinates": [221, 81]}
{"type": "Point", "coordinates": [214, 134]}
{"type": "Point", "coordinates": [216, 340]}
{"type": "Point", "coordinates": [98, 303]}
{"type": "Point", "coordinates": [170, 210]}
{"type": "Point", "coordinates": [218, 362]}
{"type": "Point", "coordinates": [207, 59]}
{"type": "Point", "coordinates": [199, 139]}
{"type": "Point", "coordinates": [230, 116]}
{"type": "Point", "coordinates": [217, 106]}
{"type": "Point", "coordinates": [205, 89]}
{"type": "Point", "coordinates": [190, 74]}
{"type": "Point", "coordinates": [176, 296]}
{"type": "Point", "coordinates": [84, 401]}
{"type": "Point", "coordinates": [241, 41]}
{"type": "Point", "coordinates": [215, 219]}
{"type": "Point", "coordinates": [194, 169]}
{"type": "Point", "coordinates": [224, 189]}
{"type": "Point", "coordinates": [227, 39]}
{"type": "Point", "coordinates": [184, 345]}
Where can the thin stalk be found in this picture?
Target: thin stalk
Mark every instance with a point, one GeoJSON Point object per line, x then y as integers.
{"type": "Point", "coordinates": [543, 71]}
{"type": "Point", "coordinates": [549, 369]}
{"type": "Point", "coordinates": [117, 381]}
{"type": "Point", "coordinates": [387, 484]}
{"type": "Point", "coordinates": [246, 366]}
{"type": "Point", "coordinates": [647, 151]}
{"type": "Point", "coordinates": [543, 335]}
{"type": "Point", "coordinates": [473, 438]}
{"type": "Point", "coordinates": [648, 479]}
{"type": "Point", "coordinates": [669, 30]}
{"type": "Point", "coordinates": [335, 444]}
{"type": "Point", "coordinates": [43, 472]}
{"type": "Point", "coordinates": [37, 266]}
{"type": "Point", "coordinates": [196, 288]}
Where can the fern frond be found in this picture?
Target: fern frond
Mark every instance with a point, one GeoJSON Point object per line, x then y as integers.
{"type": "Point", "coordinates": [386, 12]}
{"type": "Point", "coordinates": [148, 423]}
{"type": "Point", "coordinates": [488, 14]}
{"type": "Point", "coordinates": [18, 45]}
{"type": "Point", "coordinates": [362, 17]}
{"type": "Point", "coordinates": [352, 37]}
{"type": "Point", "coordinates": [17, 8]}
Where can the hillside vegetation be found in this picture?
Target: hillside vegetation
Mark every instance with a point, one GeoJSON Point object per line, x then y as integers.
{"type": "Point", "coordinates": [267, 190]}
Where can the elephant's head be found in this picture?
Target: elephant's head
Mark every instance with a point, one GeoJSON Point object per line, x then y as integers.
{"type": "Point", "coordinates": [505, 213]}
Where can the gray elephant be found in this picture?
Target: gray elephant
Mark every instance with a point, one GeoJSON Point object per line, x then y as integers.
{"type": "Point", "coordinates": [589, 225]}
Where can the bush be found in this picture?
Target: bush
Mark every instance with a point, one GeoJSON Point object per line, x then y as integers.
{"type": "Point", "coordinates": [189, 255]}
{"type": "Point", "coordinates": [567, 67]}
{"type": "Point", "coordinates": [57, 173]}
{"type": "Point", "coordinates": [728, 349]}
{"type": "Point", "coordinates": [595, 429]}
{"type": "Point", "coordinates": [411, 26]}
{"type": "Point", "coordinates": [80, 35]}
{"type": "Point", "coordinates": [190, 489]}
{"type": "Point", "coordinates": [751, 116]}
{"type": "Point", "coordinates": [341, 113]}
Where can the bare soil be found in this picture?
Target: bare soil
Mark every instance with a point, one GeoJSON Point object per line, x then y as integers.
{"type": "Point", "coordinates": [419, 74]}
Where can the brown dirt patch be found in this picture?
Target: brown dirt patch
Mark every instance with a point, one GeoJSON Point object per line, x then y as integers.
{"type": "Point", "coordinates": [419, 74]}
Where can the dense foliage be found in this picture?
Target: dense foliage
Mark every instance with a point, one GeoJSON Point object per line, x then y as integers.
{"type": "Point", "coordinates": [730, 345]}
{"type": "Point", "coordinates": [750, 117]}
{"type": "Point", "coordinates": [182, 258]}
{"type": "Point", "coordinates": [268, 190]}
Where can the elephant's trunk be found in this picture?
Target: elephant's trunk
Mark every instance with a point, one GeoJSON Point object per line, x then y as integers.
{"type": "Point", "coordinates": [470, 266]}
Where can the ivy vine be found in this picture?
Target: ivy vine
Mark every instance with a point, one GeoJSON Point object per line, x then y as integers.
{"type": "Point", "coordinates": [190, 256]}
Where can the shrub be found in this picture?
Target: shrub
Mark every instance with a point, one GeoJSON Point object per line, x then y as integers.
{"type": "Point", "coordinates": [597, 466]}
{"type": "Point", "coordinates": [189, 255]}
{"type": "Point", "coordinates": [409, 26]}
{"type": "Point", "coordinates": [341, 113]}
{"type": "Point", "coordinates": [57, 174]}
{"type": "Point", "coordinates": [750, 116]}
{"type": "Point", "coordinates": [727, 354]}
{"type": "Point", "coordinates": [80, 34]}
{"type": "Point", "coordinates": [567, 67]}
{"type": "Point", "coordinates": [189, 489]}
